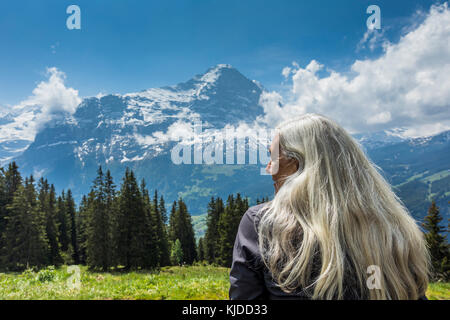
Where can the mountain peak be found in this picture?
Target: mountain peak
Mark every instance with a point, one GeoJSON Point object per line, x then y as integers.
{"type": "Point", "coordinates": [223, 66]}
{"type": "Point", "coordinates": [219, 67]}
{"type": "Point", "coordinates": [214, 73]}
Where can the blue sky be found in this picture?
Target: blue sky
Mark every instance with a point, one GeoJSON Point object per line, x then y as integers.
{"type": "Point", "coordinates": [126, 46]}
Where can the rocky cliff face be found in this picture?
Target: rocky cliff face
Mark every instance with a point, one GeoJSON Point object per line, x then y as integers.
{"type": "Point", "coordinates": [139, 129]}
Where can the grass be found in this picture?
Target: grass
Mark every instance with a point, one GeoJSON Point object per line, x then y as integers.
{"type": "Point", "coordinates": [170, 283]}
{"type": "Point", "coordinates": [438, 291]}
{"type": "Point", "coordinates": [436, 176]}
{"type": "Point", "coordinates": [426, 178]}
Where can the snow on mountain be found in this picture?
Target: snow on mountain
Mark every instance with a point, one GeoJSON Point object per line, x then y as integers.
{"type": "Point", "coordinates": [374, 140]}
{"type": "Point", "coordinates": [17, 131]}
{"type": "Point", "coordinates": [132, 129]}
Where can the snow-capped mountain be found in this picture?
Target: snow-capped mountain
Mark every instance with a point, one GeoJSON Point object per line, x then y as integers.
{"type": "Point", "coordinates": [16, 131]}
{"type": "Point", "coordinates": [373, 140]}
{"type": "Point", "coordinates": [138, 130]}
{"type": "Point", "coordinates": [135, 126]}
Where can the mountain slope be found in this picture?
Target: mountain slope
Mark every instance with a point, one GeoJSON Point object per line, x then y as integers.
{"type": "Point", "coordinates": [419, 170]}
{"type": "Point", "coordinates": [139, 130]}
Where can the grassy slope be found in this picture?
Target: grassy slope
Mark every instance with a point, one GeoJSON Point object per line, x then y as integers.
{"type": "Point", "coordinates": [192, 282]}
{"type": "Point", "coordinates": [439, 291]}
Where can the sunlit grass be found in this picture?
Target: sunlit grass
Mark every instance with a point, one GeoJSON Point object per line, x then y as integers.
{"type": "Point", "coordinates": [169, 283]}
{"type": "Point", "coordinates": [439, 291]}
{"type": "Point", "coordinates": [188, 282]}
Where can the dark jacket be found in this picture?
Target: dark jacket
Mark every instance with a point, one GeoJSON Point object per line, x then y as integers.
{"type": "Point", "coordinates": [249, 277]}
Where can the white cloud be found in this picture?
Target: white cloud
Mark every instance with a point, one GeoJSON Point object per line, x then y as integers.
{"type": "Point", "coordinates": [424, 130]}
{"type": "Point", "coordinates": [407, 86]}
{"type": "Point", "coordinates": [286, 71]}
{"type": "Point", "coordinates": [50, 99]}
{"type": "Point", "coordinates": [272, 105]}
{"type": "Point", "coordinates": [185, 132]}
{"type": "Point", "coordinates": [101, 95]}
{"type": "Point", "coordinates": [176, 131]}
{"type": "Point", "coordinates": [381, 117]}
{"type": "Point", "coordinates": [53, 95]}
{"type": "Point", "coordinates": [372, 39]}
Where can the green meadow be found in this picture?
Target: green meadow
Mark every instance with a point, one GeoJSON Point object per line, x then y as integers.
{"type": "Point", "coordinates": [169, 283]}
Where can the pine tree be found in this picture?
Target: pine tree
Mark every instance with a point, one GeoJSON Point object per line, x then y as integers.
{"type": "Point", "coordinates": [13, 180]}
{"type": "Point", "coordinates": [212, 220]}
{"type": "Point", "coordinates": [437, 244]}
{"type": "Point", "coordinates": [228, 226]}
{"type": "Point", "coordinates": [111, 207]}
{"type": "Point", "coordinates": [211, 241]}
{"type": "Point", "coordinates": [38, 238]}
{"type": "Point", "coordinates": [174, 225]}
{"type": "Point", "coordinates": [180, 227]}
{"type": "Point", "coordinates": [132, 226]}
{"type": "Point", "coordinates": [188, 244]}
{"type": "Point", "coordinates": [200, 250]}
{"type": "Point", "coordinates": [225, 228]}
{"type": "Point", "coordinates": [71, 213]}
{"type": "Point", "coordinates": [63, 222]}
{"type": "Point", "coordinates": [162, 210]}
{"type": "Point", "coordinates": [47, 201]}
{"type": "Point", "coordinates": [165, 253]}
{"type": "Point", "coordinates": [9, 182]}
{"type": "Point", "coordinates": [24, 237]}
{"type": "Point", "coordinates": [98, 242]}
{"type": "Point", "coordinates": [152, 241]}
{"type": "Point", "coordinates": [81, 228]}
{"type": "Point", "coordinates": [159, 212]}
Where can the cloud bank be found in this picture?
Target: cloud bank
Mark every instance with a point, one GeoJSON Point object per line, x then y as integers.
{"type": "Point", "coordinates": [51, 99]}
{"type": "Point", "coordinates": [407, 86]}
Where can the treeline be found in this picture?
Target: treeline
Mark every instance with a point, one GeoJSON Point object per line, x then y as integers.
{"type": "Point", "coordinates": [216, 247]}
{"type": "Point", "coordinates": [126, 228]}
{"type": "Point", "coordinates": [112, 229]}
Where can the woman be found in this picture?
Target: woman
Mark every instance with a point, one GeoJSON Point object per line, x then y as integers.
{"type": "Point", "coordinates": [334, 230]}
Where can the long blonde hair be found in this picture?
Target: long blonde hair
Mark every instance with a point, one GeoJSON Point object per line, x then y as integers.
{"type": "Point", "coordinates": [339, 207]}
